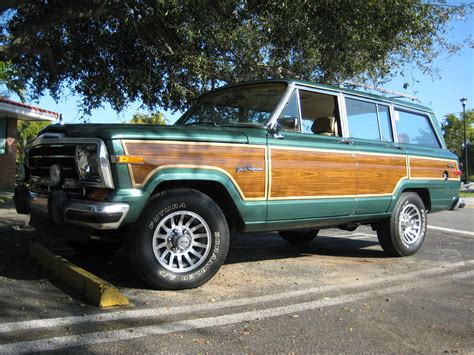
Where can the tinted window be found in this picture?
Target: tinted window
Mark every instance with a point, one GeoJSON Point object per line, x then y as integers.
{"type": "Point", "coordinates": [362, 119]}
{"type": "Point", "coordinates": [413, 128]}
{"type": "Point", "coordinates": [385, 124]}
{"type": "Point", "coordinates": [3, 135]}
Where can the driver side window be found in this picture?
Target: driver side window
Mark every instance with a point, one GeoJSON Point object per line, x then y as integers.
{"type": "Point", "coordinates": [319, 114]}
{"type": "Point", "coordinates": [289, 117]}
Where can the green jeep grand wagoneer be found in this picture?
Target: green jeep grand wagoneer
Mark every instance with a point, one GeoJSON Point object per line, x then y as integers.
{"type": "Point", "coordinates": [284, 156]}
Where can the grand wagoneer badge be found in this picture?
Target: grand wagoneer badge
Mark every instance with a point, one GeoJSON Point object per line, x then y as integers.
{"type": "Point", "coordinates": [241, 169]}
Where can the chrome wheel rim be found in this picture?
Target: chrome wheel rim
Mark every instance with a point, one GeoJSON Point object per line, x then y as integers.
{"type": "Point", "coordinates": [410, 224]}
{"type": "Point", "coordinates": [182, 241]}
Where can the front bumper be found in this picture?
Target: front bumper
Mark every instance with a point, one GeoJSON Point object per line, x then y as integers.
{"type": "Point", "coordinates": [61, 209]}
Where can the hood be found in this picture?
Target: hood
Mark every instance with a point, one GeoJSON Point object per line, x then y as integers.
{"type": "Point", "coordinates": [132, 131]}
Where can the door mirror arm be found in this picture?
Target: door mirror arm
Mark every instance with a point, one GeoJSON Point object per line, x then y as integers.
{"type": "Point", "coordinates": [275, 131]}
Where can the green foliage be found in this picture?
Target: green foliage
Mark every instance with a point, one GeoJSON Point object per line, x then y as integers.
{"type": "Point", "coordinates": [11, 82]}
{"type": "Point", "coordinates": [165, 53]}
{"type": "Point", "coordinates": [453, 129]}
{"type": "Point", "coordinates": [26, 131]}
{"type": "Point", "coordinates": [155, 118]}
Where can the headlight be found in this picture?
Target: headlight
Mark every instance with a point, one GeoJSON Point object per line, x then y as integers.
{"type": "Point", "coordinates": [87, 162]}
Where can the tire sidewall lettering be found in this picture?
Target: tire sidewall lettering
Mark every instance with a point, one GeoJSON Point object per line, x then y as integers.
{"type": "Point", "coordinates": [165, 211]}
{"type": "Point", "coordinates": [209, 263]}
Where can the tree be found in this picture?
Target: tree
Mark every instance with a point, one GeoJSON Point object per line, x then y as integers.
{"type": "Point", "coordinates": [165, 53]}
{"type": "Point", "coordinates": [453, 129]}
{"type": "Point", "coordinates": [11, 82]}
{"type": "Point", "coordinates": [155, 118]}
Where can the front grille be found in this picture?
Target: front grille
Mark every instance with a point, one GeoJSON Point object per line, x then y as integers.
{"type": "Point", "coordinates": [40, 159]}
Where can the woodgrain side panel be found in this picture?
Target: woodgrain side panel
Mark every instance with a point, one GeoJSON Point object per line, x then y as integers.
{"type": "Point", "coordinates": [421, 168]}
{"type": "Point", "coordinates": [220, 156]}
{"type": "Point", "coordinates": [298, 173]}
{"type": "Point", "coordinates": [379, 175]}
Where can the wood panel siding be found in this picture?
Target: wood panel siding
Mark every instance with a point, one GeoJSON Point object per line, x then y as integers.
{"type": "Point", "coordinates": [223, 157]}
{"type": "Point", "coordinates": [307, 174]}
{"type": "Point", "coordinates": [380, 174]}
{"type": "Point", "coordinates": [429, 168]}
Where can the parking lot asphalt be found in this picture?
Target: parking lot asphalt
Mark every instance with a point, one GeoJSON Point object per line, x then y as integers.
{"type": "Point", "coordinates": [337, 294]}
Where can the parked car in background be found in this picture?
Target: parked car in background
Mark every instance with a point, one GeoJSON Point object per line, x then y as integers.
{"type": "Point", "coordinates": [287, 156]}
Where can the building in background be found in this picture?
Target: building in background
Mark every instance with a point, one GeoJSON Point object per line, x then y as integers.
{"type": "Point", "coordinates": [10, 113]}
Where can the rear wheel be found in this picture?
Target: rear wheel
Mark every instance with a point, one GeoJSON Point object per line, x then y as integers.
{"type": "Point", "coordinates": [180, 241]}
{"type": "Point", "coordinates": [299, 237]}
{"type": "Point", "coordinates": [404, 233]}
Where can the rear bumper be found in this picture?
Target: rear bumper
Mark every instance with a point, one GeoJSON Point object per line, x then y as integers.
{"type": "Point", "coordinates": [61, 209]}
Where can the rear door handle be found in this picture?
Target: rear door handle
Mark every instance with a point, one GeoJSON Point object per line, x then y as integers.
{"type": "Point", "coordinates": [398, 146]}
{"type": "Point", "coordinates": [346, 141]}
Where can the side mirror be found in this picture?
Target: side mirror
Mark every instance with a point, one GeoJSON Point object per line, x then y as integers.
{"type": "Point", "coordinates": [275, 131]}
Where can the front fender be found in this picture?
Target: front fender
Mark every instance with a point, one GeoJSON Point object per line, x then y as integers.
{"type": "Point", "coordinates": [252, 211]}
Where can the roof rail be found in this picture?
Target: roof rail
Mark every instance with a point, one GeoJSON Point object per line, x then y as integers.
{"type": "Point", "coordinates": [385, 91]}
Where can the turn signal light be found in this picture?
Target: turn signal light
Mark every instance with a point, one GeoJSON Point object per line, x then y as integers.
{"type": "Point", "coordinates": [129, 159]}
{"type": "Point", "coordinates": [457, 172]}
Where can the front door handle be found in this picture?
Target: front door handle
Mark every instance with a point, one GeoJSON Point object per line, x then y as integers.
{"type": "Point", "coordinates": [398, 146]}
{"type": "Point", "coordinates": [346, 141]}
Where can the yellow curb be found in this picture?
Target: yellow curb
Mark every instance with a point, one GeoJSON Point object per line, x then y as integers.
{"type": "Point", "coordinates": [95, 290]}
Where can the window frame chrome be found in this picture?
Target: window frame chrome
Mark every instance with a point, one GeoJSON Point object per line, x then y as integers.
{"type": "Point", "coordinates": [296, 86]}
{"type": "Point", "coordinates": [376, 103]}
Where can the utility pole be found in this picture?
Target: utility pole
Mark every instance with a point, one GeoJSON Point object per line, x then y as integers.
{"type": "Point", "coordinates": [466, 158]}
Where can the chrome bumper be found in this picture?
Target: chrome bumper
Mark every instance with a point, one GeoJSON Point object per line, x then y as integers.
{"type": "Point", "coordinates": [61, 209]}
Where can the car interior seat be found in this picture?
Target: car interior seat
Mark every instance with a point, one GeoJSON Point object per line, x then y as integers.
{"type": "Point", "coordinates": [325, 126]}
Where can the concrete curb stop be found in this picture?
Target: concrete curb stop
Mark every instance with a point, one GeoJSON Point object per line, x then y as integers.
{"type": "Point", "coordinates": [95, 290]}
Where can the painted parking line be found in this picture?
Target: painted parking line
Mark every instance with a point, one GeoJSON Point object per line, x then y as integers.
{"type": "Point", "coordinates": [450, 230]}
{"type": "Point", "coordinates": [134, 314]}
{"type": "Point", "coordinates": [62, 342]}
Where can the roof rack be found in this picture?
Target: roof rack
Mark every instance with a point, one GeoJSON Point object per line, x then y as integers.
{"type": "Point", "coordinates": [385, 91]}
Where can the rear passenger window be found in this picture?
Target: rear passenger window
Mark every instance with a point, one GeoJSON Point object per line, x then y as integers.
{"type": "Point", "coordinates": [414, 128]}
{"type": "Point", "coordinates": [368, 120]}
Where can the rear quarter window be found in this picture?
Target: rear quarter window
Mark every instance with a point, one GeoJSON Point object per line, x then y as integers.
{"type": "Point", "coordinates": [414, 128]}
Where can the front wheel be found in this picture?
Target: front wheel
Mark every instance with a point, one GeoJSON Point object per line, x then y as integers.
{"type": "Point", "coordinates": [403, 234]}
{"type": "Point", "coordinates": [180, 241]}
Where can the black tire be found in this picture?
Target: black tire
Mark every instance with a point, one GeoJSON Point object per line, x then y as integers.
{"type": "Point", "coordinates": [96, 247]}
{"type": "Point", "coordinates": [299, 237]}
{"type": "Point", "coordinates": [401, 235]}
{"type": "Point", "coordinates": [154, 237]}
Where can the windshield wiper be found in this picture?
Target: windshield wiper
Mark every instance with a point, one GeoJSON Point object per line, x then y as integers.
{"type": "Point", "coordinates": [204, 123]}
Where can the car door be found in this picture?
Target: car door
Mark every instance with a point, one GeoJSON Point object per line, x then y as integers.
{"type": "Point", "coordinates": [381, 164]}
{"type": "Point", "coordinates": [313, 173]}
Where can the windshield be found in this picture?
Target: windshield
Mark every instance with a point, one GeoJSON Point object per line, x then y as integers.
{"type": "Point", "coordinates": [249, 105]}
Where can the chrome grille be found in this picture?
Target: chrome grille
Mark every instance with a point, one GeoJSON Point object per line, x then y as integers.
{"type": "Point", "coordinates": [40, 159]}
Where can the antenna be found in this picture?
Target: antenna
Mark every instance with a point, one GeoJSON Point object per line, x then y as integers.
{"type": "Point", "coordinates": [385, 91]}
